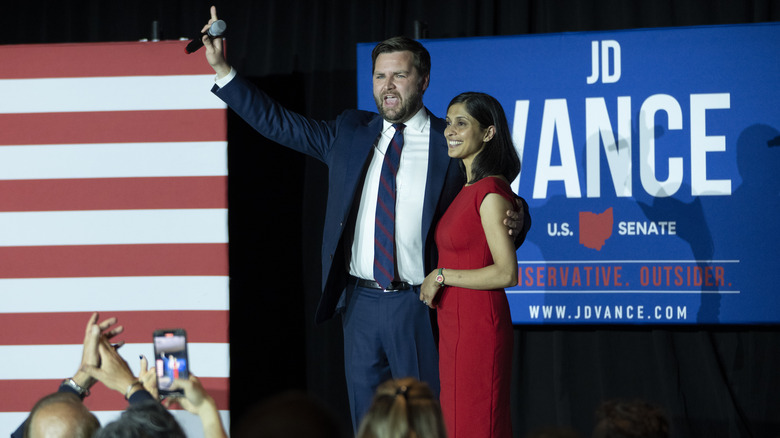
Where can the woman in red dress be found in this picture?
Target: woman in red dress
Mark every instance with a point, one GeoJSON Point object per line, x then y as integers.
{"type": "Point", "coordinates": [477, 261]}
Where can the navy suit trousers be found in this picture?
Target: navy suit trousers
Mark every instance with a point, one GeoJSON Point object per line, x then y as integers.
{"type": "Point", "coordinates": [387, 335]}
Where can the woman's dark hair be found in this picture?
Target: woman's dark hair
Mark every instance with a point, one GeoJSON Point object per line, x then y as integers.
{"type": "Point", "coordinates": [499, 156]}
{"type": "Point", "coordinates": [421, 59]}
{"type": "Point", "coordinates": [143, 420]}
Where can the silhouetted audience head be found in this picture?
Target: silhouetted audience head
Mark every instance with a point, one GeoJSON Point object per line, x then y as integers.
{"type": "Point", "coordinates": [403, 408]}
{"type": "Point", "coordinates": [293, 414]}
{"type": "Point", "coordinates": [143, 420]}
{"type": "Point", "coordinates": [61, 414]}
{"type": "Point", "coordinates": [630, 419]}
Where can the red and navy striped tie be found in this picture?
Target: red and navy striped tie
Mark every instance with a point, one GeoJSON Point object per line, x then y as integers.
{"type": "Point", "coordinates": [384, 233]}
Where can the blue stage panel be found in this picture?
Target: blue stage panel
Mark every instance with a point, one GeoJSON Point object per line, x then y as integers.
{"type": "Point", "coordinates": [650, 166]}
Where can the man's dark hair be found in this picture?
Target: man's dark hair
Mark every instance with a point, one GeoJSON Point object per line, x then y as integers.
{"type": "Point", "coordinates": [85, 427]}
{"type": "Point", "coordinates": [421, 59]}
{"type": "Point", "coordinates": [630, 419]}
{"type": "Point", "coordinates": [499, 156]}
{"type": "Point", "coordinates": [143, 420]}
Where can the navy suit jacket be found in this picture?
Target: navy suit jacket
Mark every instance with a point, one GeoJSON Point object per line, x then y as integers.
{"type": "Point", "coordinates": [345, 145]}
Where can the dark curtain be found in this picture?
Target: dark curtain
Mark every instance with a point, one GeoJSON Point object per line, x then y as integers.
{"type": "Point", "coordinates": [711, 381]}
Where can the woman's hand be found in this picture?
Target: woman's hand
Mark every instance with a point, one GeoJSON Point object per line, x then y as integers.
{"type": "Point", "coordinates": [429, 289]}
{"type": "Point", "coordinates": [148, 376]}
{"type": "Point", "coordinates": [113, 371]}
{"type": "Point", "coordinates": [200, 403]}
{"type": "Point", "coordinates": [90, 357]}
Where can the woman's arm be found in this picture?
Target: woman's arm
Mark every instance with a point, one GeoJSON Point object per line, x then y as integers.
{"type": "Point", "coordinates": [200, 403]}
{"type": "Point", "coordinates": [501, 274]}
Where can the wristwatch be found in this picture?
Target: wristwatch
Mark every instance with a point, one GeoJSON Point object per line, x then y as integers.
{"type": "Point", "coordinates": [440, 277]}
{"type": "Point", "coordinates": [80, 390]}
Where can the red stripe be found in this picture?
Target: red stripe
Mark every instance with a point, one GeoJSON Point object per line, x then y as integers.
{"type": "Point", "coordinates": [388, 235]}
{"type": "Point", "coordinates": [36, 328]}
{"type": "Point", "coordinates": [396, 148]}
{"type": "Point", "coordinates": [21, 395]}
{"type": "Point", "coordinates": [102, 59]}
{"type": "Point", "coordinates": [113, 193]}
{"type": "Point", "coordinates": [385, 252]}
{"type": "Point", "coordinates": [384, 271]}
{"type": "Point", "coordinates": [388, 189]}
{"type": "Point", "coordinates": [113, 260]}
{"type": "Point", "coordinates": [391, 166]}
{"type": "Point", "coordinates": [113, 127]}
{"type": "Point", "coordinates": [390, 215]}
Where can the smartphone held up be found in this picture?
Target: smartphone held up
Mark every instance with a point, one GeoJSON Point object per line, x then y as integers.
{"type": "Point", "coordinates": [171, 361]}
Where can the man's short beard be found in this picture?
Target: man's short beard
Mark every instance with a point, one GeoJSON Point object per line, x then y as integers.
{"type": "Point", "coordinates": [403, 113]}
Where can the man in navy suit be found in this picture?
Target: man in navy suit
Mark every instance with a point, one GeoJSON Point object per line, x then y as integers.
{"type": "Point", "coordinates": [387, 330]}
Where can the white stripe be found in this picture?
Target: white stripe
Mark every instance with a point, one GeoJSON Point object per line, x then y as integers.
{"type": "Point", "coordinates": [111, 227]}
{"type": "Point", "coordinates": [9, 421]}
{"type": "Point", "coordinates": [191, 424]}
{"type": "Point", "coordinates": [114, 160]}
{"type": "Point", "coordinates": [124, 93]}
{"type": "Point", "coordinates": [32, 295]}
{"type": "Point", "coordinates": [24, 362]}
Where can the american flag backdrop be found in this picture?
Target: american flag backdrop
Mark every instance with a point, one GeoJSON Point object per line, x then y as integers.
{"type": "Point", "coordinates": [113, 198]}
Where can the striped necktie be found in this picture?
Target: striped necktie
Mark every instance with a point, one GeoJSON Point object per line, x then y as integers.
{"type": "Point", "coordinates": [384, 233]}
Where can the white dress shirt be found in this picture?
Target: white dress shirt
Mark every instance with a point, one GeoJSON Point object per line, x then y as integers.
{"type": "Point", "coordinates": [410, 193]}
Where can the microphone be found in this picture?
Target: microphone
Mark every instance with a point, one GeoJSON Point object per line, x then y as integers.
{"type": "Point", "coordinates": [216, 29]}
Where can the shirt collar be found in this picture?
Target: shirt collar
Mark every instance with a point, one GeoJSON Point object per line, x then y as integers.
{"type": "Point", "coordinates": [417, 122]}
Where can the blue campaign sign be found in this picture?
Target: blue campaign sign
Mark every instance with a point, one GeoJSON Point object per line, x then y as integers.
{"type": "Point", "coordinates": [650, 166]}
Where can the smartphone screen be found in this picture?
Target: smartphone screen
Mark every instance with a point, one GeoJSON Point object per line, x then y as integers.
{"type": "Point", "coordinates": [170, 358]}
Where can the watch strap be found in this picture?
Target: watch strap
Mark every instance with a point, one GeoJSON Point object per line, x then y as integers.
{"type": "Point", "coordinates": [80, 390]}
{"type": "Point", "coordinates": [440, 277]}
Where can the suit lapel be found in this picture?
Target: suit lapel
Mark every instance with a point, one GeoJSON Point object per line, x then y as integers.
{"type": "Point", "coordinates": [359, 154]}
{"type": "Point", "coordinates": [438, 164]}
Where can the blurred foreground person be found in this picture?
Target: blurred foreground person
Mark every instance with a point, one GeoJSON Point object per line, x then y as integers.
{"type": "Point", "coordinates": [630, 419]}
{"type": "Point", "coordinates": [403, 408]}
{"type": "Point", "coordinates": [61, 414]}
{"type": "Point", "coordinates": [293, 414]}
